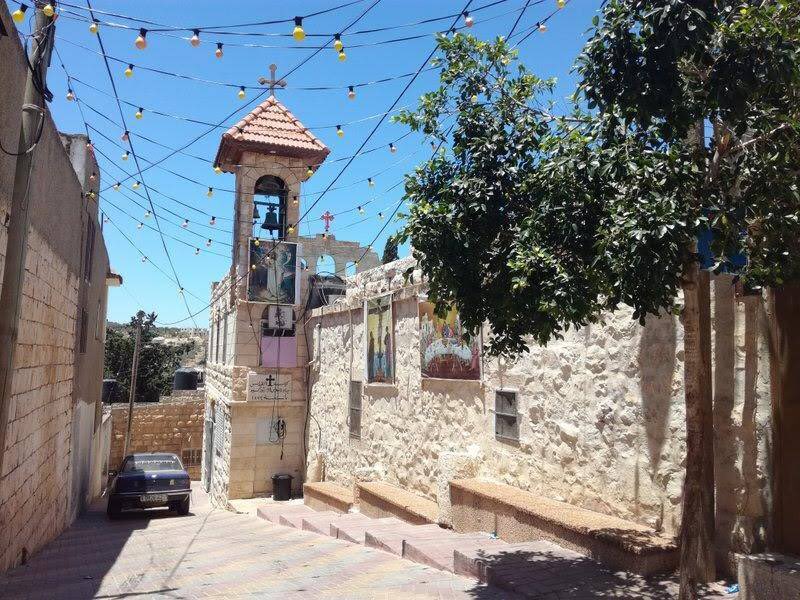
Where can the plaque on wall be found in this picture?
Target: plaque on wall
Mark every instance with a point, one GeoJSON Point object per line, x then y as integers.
{"type": "Point", "coordinates": [270, 387]}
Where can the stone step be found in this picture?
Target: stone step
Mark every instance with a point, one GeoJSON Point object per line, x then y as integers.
{"type": "Point", "coordinates": [273, 512]}
{"type": "Point", "coordinates": [380, 499]}
{"type": "Point", "coordinates": [390, 539]}
{"type": "Point", "coordinates": [518, 516]}
{"type": "Point", "coordinates": [296, 519]}
{"type": "Point", "coordinates": [354, 531]}
{"type": "Point", "coordinates": [532, 569]}
{"type": "Point", "coordinates": [440, 553]}
{"type": "Point", "coordinates": [327, 495]}
{"type": "Point", "coordinates": [323, 525]}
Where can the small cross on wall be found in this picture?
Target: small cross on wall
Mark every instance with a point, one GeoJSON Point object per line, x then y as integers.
{"type": "Point", "coordinates": [273, 83]}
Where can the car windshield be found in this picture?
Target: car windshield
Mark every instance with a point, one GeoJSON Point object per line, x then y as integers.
{"type": "Point", "coordinates": [151, 463]}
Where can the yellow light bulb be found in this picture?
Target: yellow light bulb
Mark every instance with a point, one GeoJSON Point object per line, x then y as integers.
{"type": "Point", "coordinates": [217, 169]}
{"type": "Point", "coordinates": [342, 56]}
{"type": "Point", "coordinates": [94, 27]}
{"type": "Point", "coordinates": [560, 3]}
{"type": "Point", "coordinates": [370, 182]}
{"type": "Point", "coordinates": [351, 93]}
{"type": "Point", "coordinates": [116, 187]}
{"type": "Point", "coordinates": [19, 14]}
{"type": "Point", "coordinates": [136, 185]}
{"type": "Point", "coordinates": [337, 43]}
{"type": "Point", "coordinates": [241, 94]}
{"type": "Point", "coordinates": [129, 71]}
{"type": "Point", "coordinates": [141, 39]}
{"type": "Point", "coordinates": [309, 172]}
{"type": "Point", "coordinates": [210, 192]}
{"type": "Point", "coordinates": [125, 155]}
{"type": "Point", "coordinates": [257, 243]}
{"type": "Point", "coordinates": [298, 34]}
{"type": "Point", "coordinates": [195, 39]}
{"type": "Point", "coordinates": [139, 114]}
{"type": "Point", "coordinates": [291, 229]}
{"type": "Point", "coordinates": [48, 10]}
{"type": "Point", "coordinates": [70, 96]}
{"type": "Point", "coordinates": [294, 201]}
{"type": "Point", "coordinates": [218, 51]}
{"type": "Point", "coordinates": [542, 27]}
{"type": "Point", "coordinates": [339, 131]}
{"type": "Point", "coordinates": [474, 99]}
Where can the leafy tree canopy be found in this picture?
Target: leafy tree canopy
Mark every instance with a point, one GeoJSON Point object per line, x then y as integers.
{"type": "Point", "coordinates": [157, 362]}
{"type": "Point", "coordinates": [390, 252]}
{"type": "Point", "coordinates": [686, 117]}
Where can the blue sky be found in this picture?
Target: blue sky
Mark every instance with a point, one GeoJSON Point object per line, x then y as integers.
{"type": "Point", "coordinates": [547, 54]}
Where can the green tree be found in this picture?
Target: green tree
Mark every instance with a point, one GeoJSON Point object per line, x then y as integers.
{"type": "Point", "coordinates": [157, 362]}
{"type": "Point", "coordinates": [686, 119]}
{"type": "Point", "coordinates": [390, 251]}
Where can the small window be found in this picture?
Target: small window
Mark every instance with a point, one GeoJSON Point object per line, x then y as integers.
{"type": "Point", "coordinates": [190, 457]}
{"type": "Point", "coordinates": [354, 410]}
{"type": "Point", "coordinates": [84, 325]}
{"type": "Point", "coordinates": [88, 259]}
{"type": "Point", "coordinates": [506, 418]}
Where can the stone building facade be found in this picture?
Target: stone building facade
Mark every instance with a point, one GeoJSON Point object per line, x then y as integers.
{"type": "Point", "coordinates": [600, 413]}
{"type": "Point", "coordinates": [55, 436]}
{"type": "Point", "coordinates": [250, 437]}
{"type": "Point", "coordinates": [174, 426]}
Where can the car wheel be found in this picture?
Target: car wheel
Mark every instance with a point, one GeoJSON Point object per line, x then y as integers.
{"type": "Point", "coordinates": [183, 507]}
{"type": "Point", "coordinates": [113, 509]}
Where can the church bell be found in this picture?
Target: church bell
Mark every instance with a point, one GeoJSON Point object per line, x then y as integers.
{"type": "Point", "coordinates": [270, 220]}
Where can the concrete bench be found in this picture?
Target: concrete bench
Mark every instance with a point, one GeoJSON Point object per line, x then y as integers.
{"type": "Point", "coordinates": [377, 499]}
{"type": "Point", "coordinates": [327, 495]}
{"type": "Point", "coordinates": [519, 516]}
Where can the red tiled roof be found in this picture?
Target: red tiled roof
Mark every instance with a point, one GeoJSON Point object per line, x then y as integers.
{"type": "Point", "coordinates": [269, 129]}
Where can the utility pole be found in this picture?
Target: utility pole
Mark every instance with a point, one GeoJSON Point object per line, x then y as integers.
{"type": "Point", "coordinates": [33, 121]}
{"type": "Point", "coordinates": [134, 374]}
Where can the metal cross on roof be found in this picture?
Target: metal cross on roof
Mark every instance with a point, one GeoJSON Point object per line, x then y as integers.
{"type": "Point", "coordinates": [327, 217]}
{"type": "Point", "coordinates": [273, 83]}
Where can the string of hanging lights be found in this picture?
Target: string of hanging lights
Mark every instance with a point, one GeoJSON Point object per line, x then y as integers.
{"type": "Point", "coordinates": [132, 67]}
{"type": "Point", "coordinates": [298, 32]}
{"type": "Point", "coordinates": [136, 162]}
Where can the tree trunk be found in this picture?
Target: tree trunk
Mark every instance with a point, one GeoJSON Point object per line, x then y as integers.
{"type": "Point", "coordinates": [697, 521]}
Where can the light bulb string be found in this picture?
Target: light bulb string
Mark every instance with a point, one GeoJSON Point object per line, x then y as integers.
{"type": "Point", "coordinates": [233, 85]}
{"type": "Point", "coordinates": [154, 264]}
{"type": "Point", "coordinates": [223, 30]}
{"type": "Point", "coordinates": [155, 111]}
{"type": "Point", "coordinates": [136, 162]}
{"type": "Point", "coordinates": [156, 26]}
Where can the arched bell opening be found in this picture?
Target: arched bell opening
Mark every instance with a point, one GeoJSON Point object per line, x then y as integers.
{"type": "Point", "coordinates": [269, 210]}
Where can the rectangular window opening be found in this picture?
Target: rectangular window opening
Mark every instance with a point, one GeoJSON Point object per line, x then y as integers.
{"type": "Point", "coordinates": [506, 417]}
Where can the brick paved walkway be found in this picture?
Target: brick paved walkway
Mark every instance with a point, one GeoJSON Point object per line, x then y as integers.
{"type": "Point", "coordinates": [218, 554]}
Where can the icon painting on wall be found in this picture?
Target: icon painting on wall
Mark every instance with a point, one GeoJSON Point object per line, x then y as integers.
{"type": "Point", "coordinates": [444, 353]}
{"type": "Point", "coordinates": [379, 341]}
{"type": "Point", "coordinates": [274, 275]}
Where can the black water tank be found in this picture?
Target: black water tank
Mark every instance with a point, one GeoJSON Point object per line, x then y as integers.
{"type": "Point", "coordinates": [110, 391]}
{"type": "Point", "coordinates": [282, 486]}
{"type": "Point", "coordinates": [185, 379]}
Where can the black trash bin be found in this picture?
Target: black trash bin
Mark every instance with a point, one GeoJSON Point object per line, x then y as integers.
{"type": "Point", "coordinates": [282, 486]}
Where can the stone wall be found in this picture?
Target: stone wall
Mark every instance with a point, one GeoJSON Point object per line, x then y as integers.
{"type": "Point", "coordinates": [40, 491]}
{"type": "Point", "coordinates": [159, 427]}
{"type": "Point", "coordinates": [601, 412]}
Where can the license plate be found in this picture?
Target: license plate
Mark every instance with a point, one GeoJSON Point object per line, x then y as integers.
{"type": "Point", "coordinates": [153, 498]}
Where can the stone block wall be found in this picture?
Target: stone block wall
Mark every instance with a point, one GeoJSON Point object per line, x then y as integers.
{"type": "Point", "coordinates": [159, 427]}
{"type": "Point", "coordinates": [34, 505]}
{"type": "Point", "coordinates": [601, 412]}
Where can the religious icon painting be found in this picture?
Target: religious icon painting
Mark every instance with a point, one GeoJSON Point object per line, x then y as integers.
{"type": "Point", "coordinates": [274, 276]}
{"type": "Point", "coordinates": [379, 340]}
{"type": "Point", "coordinates": [444, 353]}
